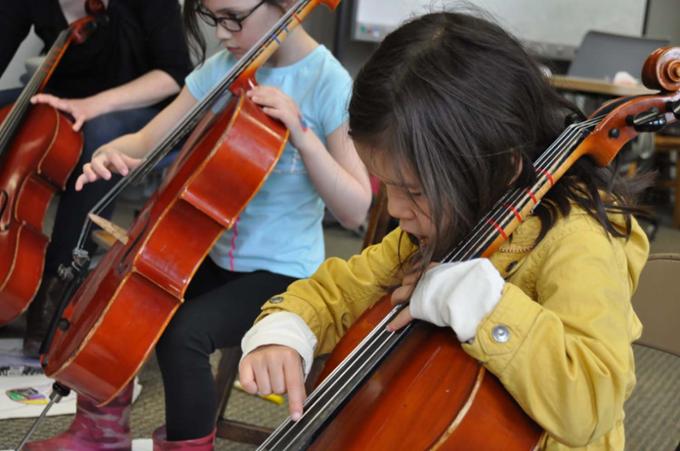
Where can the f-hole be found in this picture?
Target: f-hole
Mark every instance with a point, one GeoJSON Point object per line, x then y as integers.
{"type": "Point", "coordinates": [4, 203]}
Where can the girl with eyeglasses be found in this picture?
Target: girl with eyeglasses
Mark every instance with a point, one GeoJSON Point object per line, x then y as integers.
{"type": "Point", "coordinates": [278, 237]}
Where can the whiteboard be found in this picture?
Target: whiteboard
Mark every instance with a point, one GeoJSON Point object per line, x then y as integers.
{"type": "Point", "coordinates": [549, 24]}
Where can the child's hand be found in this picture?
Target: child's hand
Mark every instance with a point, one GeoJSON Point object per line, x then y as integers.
{"type": "Point", "coordinates": [403, 294]}
{"type": "Point", "coordinates": [105, 160]}
{"type": "Point", "coordinates": [280, 106]}
{"type": "Point", "coordinates": [275, 369]}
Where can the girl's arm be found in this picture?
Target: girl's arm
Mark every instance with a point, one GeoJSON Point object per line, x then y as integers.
{"type": "Point", "coordinates": [564, 352]}
{"type": "Point", "coordinates": [143, 91]}
{"type": "Point", "coordinates": [563, 348]}
{"type": "Point", "coordinates": [341, 290]}
{"type": "Point", "coordinates": [312, 315]}
{"type": "Point", "coordinates": [337, 173]}
{"type": "Point", "coordinates": [127, 152]}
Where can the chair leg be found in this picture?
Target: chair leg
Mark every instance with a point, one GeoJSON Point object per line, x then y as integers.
{"type": "Point", "coordinates": [236, 431]}
{"type": "Point", "coordinates": [676, 207]}
{"type": "Point", "coordinates": [315, 372]}
{"type": "Point", "coordinates": [239, 431]}
{"type": "Point", "coordinates": [378, 220]}
{"type": "Point", "coordinates": [226, 374]}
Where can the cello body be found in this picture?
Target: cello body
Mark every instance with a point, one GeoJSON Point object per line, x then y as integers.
{"type": "Point", "coordinates": [37, 164]}
{"type": "Point", "coordinates": [120, 311]}
{"type": "Point", "coordinates": [116, 316]}
{"type": "Point", "coordinates": [429, 387]}
{"type": "Point", "coordinates": [38, 151]}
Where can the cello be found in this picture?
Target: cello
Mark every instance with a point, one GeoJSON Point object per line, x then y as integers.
{"type": "Point", "coordinates": [38, 151]}
{"type": "Point", "coordinates": [379, 384]}
{"type": "Point", "coordinates": [116, 316]}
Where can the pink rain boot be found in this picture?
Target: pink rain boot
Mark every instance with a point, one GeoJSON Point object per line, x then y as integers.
{"type": "Point", "coordinates": [160, 442]}
{"type": "Point", "coordinates": [94, 428]}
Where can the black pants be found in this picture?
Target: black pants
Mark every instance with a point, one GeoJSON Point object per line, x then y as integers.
{"type": "Point", "coordinates": [220, 307]}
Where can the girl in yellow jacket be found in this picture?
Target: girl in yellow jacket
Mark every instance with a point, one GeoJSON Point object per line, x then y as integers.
{"type": "Point", "coordinates": [449, 113]}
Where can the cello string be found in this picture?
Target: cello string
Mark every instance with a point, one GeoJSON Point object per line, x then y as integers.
{"type": "Point", "coordinates": [40, 74]}
{"type": "Point", "coordinates": [513, 197]}
{"type": "Point", "coordinates": [522, 197]}
{"type": "Point", "coordinates": [500, 213]}
{"type": "Point", "coordinates": [298, 434]}
{"type": "Point", "coordinates": [333, 385]}
{"type": "Point", "coordinates": [21, 105]}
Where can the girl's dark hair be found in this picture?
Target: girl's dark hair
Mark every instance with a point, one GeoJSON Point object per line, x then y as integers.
{"type": "Point", "coordinates": [193, 33]}
{"type": "Point", "coordinates": [458, 100]}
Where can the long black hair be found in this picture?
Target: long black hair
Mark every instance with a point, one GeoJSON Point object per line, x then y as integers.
{"type": "Point", "coordinates": [457, 100]}
{"type": "Point", "coordinates": [194, 35]}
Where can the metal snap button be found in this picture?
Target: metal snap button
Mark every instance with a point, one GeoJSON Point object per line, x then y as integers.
{"type": "Point", "coordinates": [500, 334]}
{"type": "Point", "coordinates": [276, 300]}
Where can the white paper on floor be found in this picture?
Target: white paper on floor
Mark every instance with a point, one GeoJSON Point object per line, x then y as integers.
{"type": "Point", "coordinates": [24, 390]}
{"type": "Point", "coordinates": [142, 444]}
{"type": "Point", "coordinates": [138, 444]}
{"type": "Point", "coordinates": [12, 360]}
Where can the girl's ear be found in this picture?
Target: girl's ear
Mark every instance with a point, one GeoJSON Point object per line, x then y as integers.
{"type": "Point", "coordinates": [518, 164]}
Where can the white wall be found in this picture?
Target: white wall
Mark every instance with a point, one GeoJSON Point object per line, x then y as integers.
{"type": "Point", "coordinates": [664, 20]}
{"type": "Point", "coordinates": [30, 47]}
{"type": "Point", "coordinates": [558, 22]}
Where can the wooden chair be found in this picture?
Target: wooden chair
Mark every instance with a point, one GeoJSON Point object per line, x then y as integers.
{"type": "Point", "coordinates": [378, 220]}
{"type": "Point", "coordinates": [239, 431]}
{"type": "Point", "coordinates": [657, 303]}
{"type": "Point", "coordinates": [652, 415]}
{"type": "Point", "coordinates": [671, 144]}
{"type": "Point", "coordinates": [234, 430]}
{"type": "Point", "coordinates": [227, 371]}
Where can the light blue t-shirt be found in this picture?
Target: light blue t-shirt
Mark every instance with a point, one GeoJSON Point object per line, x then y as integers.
{"type": "Point", "coordinates": [280, 229]}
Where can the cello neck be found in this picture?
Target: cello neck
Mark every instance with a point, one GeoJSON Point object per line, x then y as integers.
{"type": "Point", "coordinates": [77, 32]}
{"type": "Point", "coordinates": [513, 208]}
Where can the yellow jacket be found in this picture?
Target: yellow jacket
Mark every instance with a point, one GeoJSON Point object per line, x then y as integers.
{"type": "Point", "coordinates": [566, 303]}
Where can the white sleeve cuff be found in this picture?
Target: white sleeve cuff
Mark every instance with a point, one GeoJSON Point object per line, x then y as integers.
{"type": "Point", "coordinates": [282, 328]}
{"type": "Point", "coordinates": [458, 295]}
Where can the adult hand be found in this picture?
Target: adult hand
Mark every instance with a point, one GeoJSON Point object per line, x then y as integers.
{"type": "Point", "coordinates": [81, 110]}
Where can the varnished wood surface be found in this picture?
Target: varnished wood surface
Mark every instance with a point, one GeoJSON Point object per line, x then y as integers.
{"type": "Point", "coordinates": [596, 86]}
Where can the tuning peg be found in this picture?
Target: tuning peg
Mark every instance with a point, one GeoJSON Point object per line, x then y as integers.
{"type": "Point", "coordinates": [651, 120]}
{"type": "Point", "coordinates": [674, 107]}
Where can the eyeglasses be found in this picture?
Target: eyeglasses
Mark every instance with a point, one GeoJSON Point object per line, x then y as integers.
{"type": "Point", "coordinates": [228, 22]}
